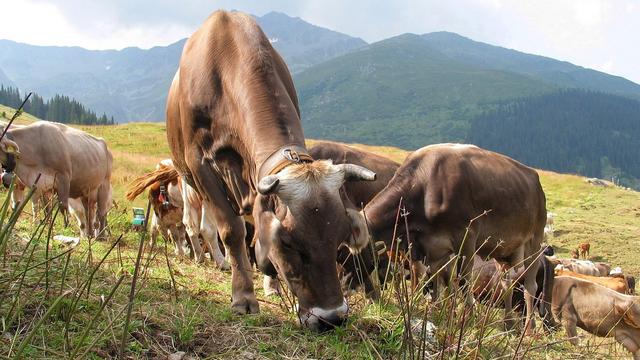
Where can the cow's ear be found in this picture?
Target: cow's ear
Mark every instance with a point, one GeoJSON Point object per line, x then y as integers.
{"type": "Point", "coordinates": [9, 147]}
{"type": "Point", "coordinates": [359, 236]}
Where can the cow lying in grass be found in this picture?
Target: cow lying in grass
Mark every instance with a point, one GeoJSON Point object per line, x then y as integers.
{"type": "Point", "coordinates": [597, 310]}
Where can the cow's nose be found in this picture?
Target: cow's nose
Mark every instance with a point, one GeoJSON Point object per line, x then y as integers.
{"type": "Point", "coordinates": [6, 179]}
{"type": "Point", "coordinates": [320, 320]}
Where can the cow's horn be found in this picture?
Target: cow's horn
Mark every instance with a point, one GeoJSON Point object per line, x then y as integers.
{"type": "Point", "coordinates": [355, 172]}
{"type": "Point", "coordinates": [268, 184]}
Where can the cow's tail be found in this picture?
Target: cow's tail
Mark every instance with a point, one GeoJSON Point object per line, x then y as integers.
{"type": "Point", "coordinates": [163, 174]}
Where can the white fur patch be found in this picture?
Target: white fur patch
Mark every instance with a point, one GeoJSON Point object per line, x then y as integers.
{"type": "Point", "coordinates": [298, 181]}
{"type": "Point", "coordinates": [316, 314]}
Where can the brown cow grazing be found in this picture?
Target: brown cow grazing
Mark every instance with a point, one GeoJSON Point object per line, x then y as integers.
{"type": "Point", "coordinates": [614, 283]}
{"type": "Point", "coordinates": [233, 123]}
{"type": "Point", "coordinates": [583, 250]}
{"type": "Point", "coordinates": [74, 163]}
{"type": "Point", "coordinates": [358, 271]}
{"type": "Point", "coordinates": [443, 187]}
{"type": "Point", "coordinates": [488, 287]}
{"type": "Point", "coordinates": [597, 310]}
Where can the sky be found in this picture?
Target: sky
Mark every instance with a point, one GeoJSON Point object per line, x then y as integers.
{"type": "Point", "coordinates": [599, 34]}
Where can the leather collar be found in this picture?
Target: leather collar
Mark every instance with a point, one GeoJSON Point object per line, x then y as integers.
{"type": "Point", "coordinates": [283, 157]}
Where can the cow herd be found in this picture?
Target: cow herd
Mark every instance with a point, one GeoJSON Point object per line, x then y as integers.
{"type": "Point", "coordinates": [242, 187]}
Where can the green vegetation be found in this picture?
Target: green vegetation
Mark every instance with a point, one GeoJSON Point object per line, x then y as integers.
{"type": "Point", "coordinates": [60, 108]}
{"type": "Point", "coordinates": [576, 131]}
{"type": "Point", "coordinates": [403, 93]}
{"type": "Point", "coordinates": [194, 316]}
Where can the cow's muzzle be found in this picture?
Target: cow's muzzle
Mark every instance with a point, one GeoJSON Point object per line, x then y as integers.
{"type": "Point", "coordinates": [321, 320]}
{"type": "Point", "coordinates": [7, 177]}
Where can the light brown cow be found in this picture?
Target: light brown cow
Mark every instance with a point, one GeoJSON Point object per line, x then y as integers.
{"type": "Point", "coordinates": [614, 283]}
{"type": "Point", "coordinates": [598, 310]}
{"type": "Point", "coordinates": [180, 212]}
{"type": "Point", "coordinates": [233, 122]}
{"type": "Point", "coordinates": [74, 163]}
{"type": "Point", "coordinates": [443, 187]}
{"type": "Point", "coordinates": [585, 267]}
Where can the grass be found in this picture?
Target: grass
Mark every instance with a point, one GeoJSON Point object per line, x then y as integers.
{"type": "Point", "coordinates": [43, 299]}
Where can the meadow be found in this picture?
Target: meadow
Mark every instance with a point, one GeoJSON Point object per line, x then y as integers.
{"type": "Point", "coordinates": [60, 302]}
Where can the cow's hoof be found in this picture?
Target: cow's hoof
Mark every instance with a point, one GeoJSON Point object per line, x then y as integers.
{"type": "Point", "coordinates": [245, 306]}
{"type": "Point", "coordinates": [225, 266]}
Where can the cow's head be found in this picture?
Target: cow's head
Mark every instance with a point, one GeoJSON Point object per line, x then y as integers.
{"type": "Point", "coordinates": [9, 153]}
{"type": "Point", "coordinates": [302, 235]}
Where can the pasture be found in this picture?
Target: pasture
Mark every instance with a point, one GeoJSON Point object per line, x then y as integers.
{"type": "Point", "coordinates": [53, 304]}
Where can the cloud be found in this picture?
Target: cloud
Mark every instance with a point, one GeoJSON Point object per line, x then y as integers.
{"type": "Point", "coordinates": [585, 32]}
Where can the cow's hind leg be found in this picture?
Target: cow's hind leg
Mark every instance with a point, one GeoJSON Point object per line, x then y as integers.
{"type": "Point", "coordinates": [232, 232]}
{"type": "Point", "coordinates": [102, 208]}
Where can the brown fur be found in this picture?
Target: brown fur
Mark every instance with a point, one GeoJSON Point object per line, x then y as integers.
{"type": "Point", "coordinates": [614, 283]}
{"type": "Point", "coordinates": [152, 180]}
{"type": "Point", "coordinates": [583, 250]}
{"type": "Point", "coordinates": [597, 310]}
{"type": "Point", "coordinates": [443, 187]}
{"type": "Point", "coordinates": [231, 108]}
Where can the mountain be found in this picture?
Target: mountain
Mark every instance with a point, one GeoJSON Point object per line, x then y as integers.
{"type": "Point", "coordinates": [409, 92]}
{"type": "Point", "coordinates": [561, 73]}
{"type": "Point", "coordinates": [128, 84]}
{"type": "Point", "coordinates": [302, 44]}
{"type": "Point", "coordinates": [402, 92]}
{"type": "Point", "coordinates": [131, 84]}
{"type": "Point", "coordinates": [4, 80]}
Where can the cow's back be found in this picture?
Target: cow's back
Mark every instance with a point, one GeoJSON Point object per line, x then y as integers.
{"type": "Point", "coordinates": [465, 181]}
{"type": "Point", "coordinates": [448, 185]}
{"type": "Point", "coordinates": [226, 68]}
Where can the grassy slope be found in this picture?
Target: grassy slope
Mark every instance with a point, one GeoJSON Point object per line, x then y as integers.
{"type": "Point", "coordinates": [199, 321]}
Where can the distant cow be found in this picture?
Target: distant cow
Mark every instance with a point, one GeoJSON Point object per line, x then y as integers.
{"type": "Point", "coordinates": [443, 188]}
{"type": "Point", "coordinates": [585, 267]}
{"type": "Point", "coordinates": [583, 250]}
{"type": "Point", "coordinates": [614, 283]}
{"type": "Point", "coordinates": [597, 310]}
{"type": "Point", "coordinates": [74, 163]}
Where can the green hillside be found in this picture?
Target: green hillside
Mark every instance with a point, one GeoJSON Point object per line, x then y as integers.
{"type": "Point", "coordinates": [403, 93]}
{"type": "Point", "coordinates": [556, 72]}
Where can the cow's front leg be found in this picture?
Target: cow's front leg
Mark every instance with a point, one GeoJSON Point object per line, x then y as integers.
{"type": "Point", "coordinates": [209, 232]}
{"type": "Point", "coordinates": [232, 232]}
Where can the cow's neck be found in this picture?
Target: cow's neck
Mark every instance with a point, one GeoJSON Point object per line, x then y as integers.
{"type": "Point", "coordinates": [269, 126]}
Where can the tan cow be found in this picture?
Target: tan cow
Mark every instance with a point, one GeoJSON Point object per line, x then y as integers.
{"type": "Point", "coordinates": [597, 310]}
{"type": "Point", "coordinates": [74, 163]}
{"type": "Point", "coordinates": [614, 283]}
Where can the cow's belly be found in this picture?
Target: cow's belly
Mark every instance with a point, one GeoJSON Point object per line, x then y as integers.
{"type": "Point", "coordinates": [28, 176]}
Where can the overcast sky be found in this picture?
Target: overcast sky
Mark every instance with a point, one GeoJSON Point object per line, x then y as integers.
{"type": "Point", "coordinates": [600, 34]}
